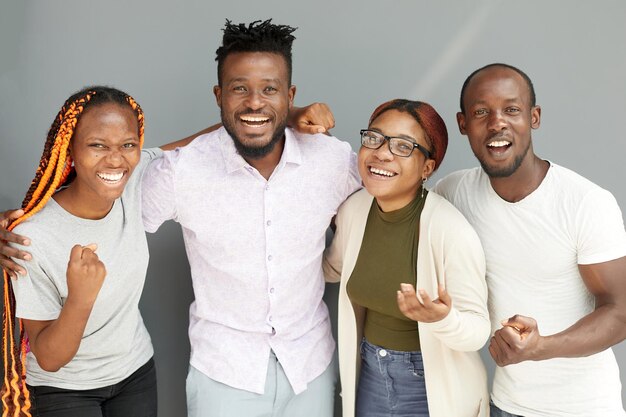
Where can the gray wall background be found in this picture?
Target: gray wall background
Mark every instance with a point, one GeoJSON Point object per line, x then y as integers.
{"type": "Point", "coordinates": [351, 54]}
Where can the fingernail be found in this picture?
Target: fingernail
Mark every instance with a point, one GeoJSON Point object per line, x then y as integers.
{"type": "Point", "coordinates": [405, 287]}
{"type": "Point", "coordinates": [25, 242]}
{"type": "Point", "coordinates": [27, 257]}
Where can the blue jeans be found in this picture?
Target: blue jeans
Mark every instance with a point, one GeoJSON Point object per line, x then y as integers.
{"type": "Point", "coordinates": [135, 396]}
{"type": "Point", "coordinates": [391, 383]}
{"type": "Point", "coordinates": [494, 411]}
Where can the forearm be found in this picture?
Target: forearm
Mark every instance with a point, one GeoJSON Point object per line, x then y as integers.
{"type": "Point", "coordinates": [56, 345]}
{"type": "Point", "coordinates": [598, 331]}
{"type": "Point", "coordinates": [462, 331]}
{"type": "Point", "coordinates": [186, 141]}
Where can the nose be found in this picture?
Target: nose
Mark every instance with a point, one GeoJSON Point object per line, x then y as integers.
{"type": "Point", "coordinates": [496, 121]}
{"type": "Point", "coordinates": [114, 157]}
{"type": "Point", "coordinates": [384, 152]}
{"type": "Point", "coordinates": [254, 100]}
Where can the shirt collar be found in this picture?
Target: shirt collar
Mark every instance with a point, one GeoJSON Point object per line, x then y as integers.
{"type": "Point", "coordinates": [234, 162]}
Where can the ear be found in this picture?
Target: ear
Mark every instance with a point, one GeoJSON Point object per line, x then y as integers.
{"type": "Point", "coordinates": [460, 120]}
{"type": "Point", "coordinates": [535, 117]}
{"type": "Point", "coordinates": [292, 95]}
{"type": "Point", "coordinates": [428, 169]}
{"type": "Point", "coordinates": [217, 90]}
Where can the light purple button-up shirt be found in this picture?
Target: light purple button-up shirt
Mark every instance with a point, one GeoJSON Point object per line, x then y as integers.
{"type": "Point", "coordinates": [255, 249]}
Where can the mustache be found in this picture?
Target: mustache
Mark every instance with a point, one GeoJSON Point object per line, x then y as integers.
{"type": "Point", "coordinates": [499, 136]}
{"type": "Point", "coordinates": [251, 112]}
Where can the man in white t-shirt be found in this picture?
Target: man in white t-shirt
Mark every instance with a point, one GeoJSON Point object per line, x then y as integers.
{"type": "Point", "coordinates": [556, 258]}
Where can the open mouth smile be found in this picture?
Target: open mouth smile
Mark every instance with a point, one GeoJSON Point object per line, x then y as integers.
{"type": "Point", "coordinates": [255, 120]}
{"type": "Point", "coordinates": [499, 146]}
{"type": "Point", "coordinates": [377, 172]}
{"type": "Point", "coordinates": [110, 178]}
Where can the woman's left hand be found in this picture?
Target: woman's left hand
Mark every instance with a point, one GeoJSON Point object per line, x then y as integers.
{"type": "Point", "coordinates": [427, 311]}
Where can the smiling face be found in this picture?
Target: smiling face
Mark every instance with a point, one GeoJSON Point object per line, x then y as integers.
{"type": "Point", "coordinates": [394, 180]}
{"type": "Point", "coordinates": [254, 98]}
{"type": "Point", "coordinates": [105, 150]}
{"type": "Point", "coordinates": [498, 120]}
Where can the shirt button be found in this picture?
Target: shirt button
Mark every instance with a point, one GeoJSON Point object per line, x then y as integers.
{"type": "Point", "coordinates": [272, 290]}
{"type": "Point", "coordinates": [269, 222]}
{"type": "Point", "coordinates": [269, 318]}
{"type": "Point", "coordinates": [269, 257]}
{"type": "Point", "coordinates": [267, 188]}
{"type": "Point", "coordinates": [273, 331]}
{"type": "Point", "coordinates": [382, 353]}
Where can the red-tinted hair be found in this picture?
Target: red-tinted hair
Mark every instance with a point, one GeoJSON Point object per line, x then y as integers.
{"type": "Point", "coordinates": [427, 117]}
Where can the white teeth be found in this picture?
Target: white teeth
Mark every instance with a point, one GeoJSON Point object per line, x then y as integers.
{"type": "Point", "coordinates": [499, 143]}
{"type": "Point", "coordinates": [110, 177]}
{"type": "Point", "coordinates": [381, 172]}
{"type": "Point", "coordinates": [254, 119]}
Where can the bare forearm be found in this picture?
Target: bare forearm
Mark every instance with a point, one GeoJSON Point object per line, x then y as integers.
{"type": "Point", "coordinates": [56, 345]}
{"type": "Point", "coordinates": [598, 331]}
{"type": "Point", "coordinates": [186, 141]}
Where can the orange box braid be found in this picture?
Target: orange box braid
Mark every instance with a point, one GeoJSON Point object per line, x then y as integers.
{"type": "Point", "coordinates": [54, 159]}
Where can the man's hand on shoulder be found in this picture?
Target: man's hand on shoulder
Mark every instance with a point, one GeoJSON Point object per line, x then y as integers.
{"type": "Point", "coordinates": [311, 119]}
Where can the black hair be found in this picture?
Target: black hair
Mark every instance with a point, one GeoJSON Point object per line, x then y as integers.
{"type": "Point", "coordinates": [258, 36]}
{"type": "Point", "coordinates": [529, 83]}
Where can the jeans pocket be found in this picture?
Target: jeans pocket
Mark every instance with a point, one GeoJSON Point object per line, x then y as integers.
{"type": "Point", "coordinates": [416, 367]}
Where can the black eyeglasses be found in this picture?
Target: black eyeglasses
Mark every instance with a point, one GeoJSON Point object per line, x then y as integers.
{"type": "Point", "coordinates": [398, 146]}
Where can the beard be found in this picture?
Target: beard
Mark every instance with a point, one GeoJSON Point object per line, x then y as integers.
{"type": "Point", "coordinates": [503, 172]}
{"type": "Point", "coordinates": [254, 152]}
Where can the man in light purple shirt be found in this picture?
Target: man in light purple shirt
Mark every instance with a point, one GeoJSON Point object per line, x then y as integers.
{"type": "Point", "coordinates": [254, 200]}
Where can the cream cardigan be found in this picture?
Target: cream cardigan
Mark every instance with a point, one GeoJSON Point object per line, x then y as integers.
{"type": "Point", "coordinates": [449, 252]}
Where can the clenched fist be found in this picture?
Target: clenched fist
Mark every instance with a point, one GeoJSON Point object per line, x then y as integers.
{"type": "Point", "coordinates": [85, 274]}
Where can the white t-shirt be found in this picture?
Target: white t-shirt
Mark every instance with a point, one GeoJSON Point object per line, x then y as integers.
{"type": "Point", "coordinates": [533, 248]}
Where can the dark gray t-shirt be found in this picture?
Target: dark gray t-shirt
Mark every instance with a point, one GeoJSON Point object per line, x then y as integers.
{"type": "Point", "coordinates": [115, 342]}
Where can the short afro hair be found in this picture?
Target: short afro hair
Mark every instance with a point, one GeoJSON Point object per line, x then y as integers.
{"type": "Point", "coordinates": [258, 36]}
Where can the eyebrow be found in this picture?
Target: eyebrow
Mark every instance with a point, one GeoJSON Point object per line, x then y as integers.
{"type": "Point", "coordinates": [243, 79]}
{"type": "Point", "coordinates": [407, 137]}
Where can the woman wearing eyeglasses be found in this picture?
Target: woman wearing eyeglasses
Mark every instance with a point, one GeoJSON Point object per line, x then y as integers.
{"type": "Point", "coordinates": [404, 353]}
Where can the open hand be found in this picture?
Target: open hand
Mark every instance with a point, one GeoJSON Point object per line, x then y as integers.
{"type": "Point", "coordinates": [426, 311]}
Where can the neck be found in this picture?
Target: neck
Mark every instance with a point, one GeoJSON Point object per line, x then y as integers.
{"type": "Point", "coordinates": [79, 205]}
{"type": "Point", "coordinates": [523, 181]}
{"type": "Point", "coordinates": [267, 163]}
{"type": "Point", "coordinates": [393, 204]}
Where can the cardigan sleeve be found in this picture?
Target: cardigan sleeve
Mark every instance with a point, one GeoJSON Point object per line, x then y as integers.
{"type": "Point", "coordinates": [460, 265]}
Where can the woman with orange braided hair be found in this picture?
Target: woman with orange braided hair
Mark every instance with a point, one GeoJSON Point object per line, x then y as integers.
{"type": "Point", "coordinates": [412, 297]}
{"type": "Point", "coordinates": [81, 346]}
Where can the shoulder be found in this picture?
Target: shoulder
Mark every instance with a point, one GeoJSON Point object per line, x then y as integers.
{"type": "Point", "coordinates": [207, 144]}
{"type": "Point", "coordinates": [572, 189]}
{"type": "Point", "coordinates": [458, 181]}
{"type": "Point", "coordinates": [358, 202]}
{"type": "Point", "coordinates": [444, 220]}
{"type": "Point", "coordinates": [320, 144]}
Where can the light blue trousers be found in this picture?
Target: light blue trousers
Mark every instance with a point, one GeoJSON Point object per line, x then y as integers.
{"type": "Point", "coordinates": [209, 398]}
